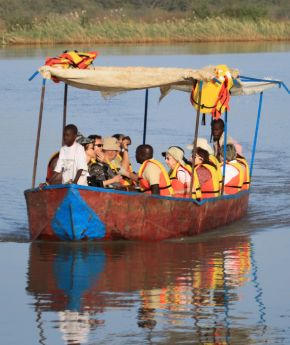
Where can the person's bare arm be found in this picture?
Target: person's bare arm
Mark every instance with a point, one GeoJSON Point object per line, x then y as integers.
{"type": "Point", "coordinates": [78, 175]}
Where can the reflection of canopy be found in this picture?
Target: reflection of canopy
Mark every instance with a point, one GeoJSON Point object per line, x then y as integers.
{"type": "Point", "coordinates": [111, 80]}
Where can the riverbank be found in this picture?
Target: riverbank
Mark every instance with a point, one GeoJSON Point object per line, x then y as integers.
{"type": "Point", "coordinates": [73, 29]}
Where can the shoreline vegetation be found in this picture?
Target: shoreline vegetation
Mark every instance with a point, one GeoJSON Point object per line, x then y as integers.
{"type": "Point", "coordinates": [53, 22]}
{"type": "Point", "coordinates": [71, 28]}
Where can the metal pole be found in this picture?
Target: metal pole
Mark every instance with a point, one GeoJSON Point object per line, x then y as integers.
{"type": "Point", "coordinates": [64, 110]}
{"type": "Point", "coordinates": [145, 117]}
{"type": "Point", "coordinates": [195, 138]}
{"type": "Point", "coordinates": [38, 133]}
{"type": "Point", "coordinates": [225, 150]}
{"type": "Point", "coordinates": [256, 134]}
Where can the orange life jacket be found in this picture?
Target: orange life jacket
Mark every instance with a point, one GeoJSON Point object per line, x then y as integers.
{"type": "Point", "coordinates": [210, 189]}
{"type": "Point", "coordinates": [246, 182]}
{"type": "Point", "coordinates": [180, 189]}
{"type": "Point", "coordinates": [235, 184]}
{"type": "Point", "coordinates": [164, 182]}
{"type": "Point", "coordinates": [215, 161]}
{"type": "Point", "coordinates": [71, 59]}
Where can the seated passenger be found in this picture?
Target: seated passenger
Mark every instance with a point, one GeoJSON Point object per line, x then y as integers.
{"type": "Point", "coordinates": [203, 144]}
{"type": "Point", "coordinates": [179, 174]}
{"type": "Point", "coordinates": [122, 160]}
{"type": "Point", "coordinates": [152, 176]}
{"type": "Point", "coordinates": [207, 174]}
{"type": "Point", "coordinates": [234, 171]}
{"type": "Point", "coordinates": [100, 173]}
{"type": "Point", "coordinates": [71, 164]}
{"type": "Point", "coordinates": [88, 146]}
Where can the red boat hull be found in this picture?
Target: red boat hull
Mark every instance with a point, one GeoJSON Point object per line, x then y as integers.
{"type": "Point", "coordinates": [135, 216]}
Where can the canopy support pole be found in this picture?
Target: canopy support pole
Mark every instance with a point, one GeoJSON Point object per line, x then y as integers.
{"type": "Point", "coordinates": [64, 110]}
{"type": "Point", "coordinates": [38, 133]}
{"type": "Point", "coordinates": [145, 116]}
{"type": "Point", "coordinates": [192, 189]}
{"type": "Point", "coordinates": [256, 134]}
{"type": "Point", "coordinates": [225, 151]}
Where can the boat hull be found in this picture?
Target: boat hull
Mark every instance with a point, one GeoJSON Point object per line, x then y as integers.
{"type": "Point", "coordinates": [72, 212]}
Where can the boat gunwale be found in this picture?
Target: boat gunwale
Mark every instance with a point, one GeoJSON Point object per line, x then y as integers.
{"type": "Point", "coordinates": [131, 193]}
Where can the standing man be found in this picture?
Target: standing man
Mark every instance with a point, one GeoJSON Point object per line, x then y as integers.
{"type": "Point", "coordinates": [72, 163]}
{"type": "Point", "coordinates": [217, 132]}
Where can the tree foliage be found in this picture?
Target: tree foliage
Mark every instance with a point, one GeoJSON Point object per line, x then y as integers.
{"type": "Point", "coordinates": [24, 12]}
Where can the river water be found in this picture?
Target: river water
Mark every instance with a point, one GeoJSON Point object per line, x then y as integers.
{"type": "Point", "coordinates": [230, 286]}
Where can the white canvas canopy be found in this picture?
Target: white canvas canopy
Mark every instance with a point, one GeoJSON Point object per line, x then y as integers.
{"type": "Point", "coordinates": [113, 80]}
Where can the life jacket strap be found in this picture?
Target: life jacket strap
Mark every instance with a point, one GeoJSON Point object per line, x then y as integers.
{"type": "Point", "coordinates": [208, 192]}
{"type": "Point", "coordinates": [160, 188]}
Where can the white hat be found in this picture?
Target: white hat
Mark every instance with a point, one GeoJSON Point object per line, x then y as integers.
{"type": "Point", "coordinates": [111, 144]}
{"type": "Point", "coordinates": [175, 152]}
{"type": "Point", "coordinates": [203, 144]}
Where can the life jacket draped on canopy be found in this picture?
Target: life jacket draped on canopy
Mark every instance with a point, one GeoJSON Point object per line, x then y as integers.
{"type": "Point", "coordinates": [71, 59]}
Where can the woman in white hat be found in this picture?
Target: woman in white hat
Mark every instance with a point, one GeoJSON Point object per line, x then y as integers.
{"type": "Point", "coordinates": [179, 173]}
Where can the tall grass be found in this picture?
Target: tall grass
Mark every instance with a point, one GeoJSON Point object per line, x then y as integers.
{"type": "Point", "coordinates": [74, 28]}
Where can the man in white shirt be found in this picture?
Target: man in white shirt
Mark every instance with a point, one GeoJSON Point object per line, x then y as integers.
{"type": "Point", "coordinates": [72, 161]}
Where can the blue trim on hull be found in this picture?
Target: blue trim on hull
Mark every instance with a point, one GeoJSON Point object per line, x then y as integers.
{"type": "Point", "coordinates": [132, 194]}
{"type": "Point", "coordinates": [75, 220]}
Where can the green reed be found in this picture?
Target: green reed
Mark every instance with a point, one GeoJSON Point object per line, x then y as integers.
{"type": "Point", "coordinates": [74, 28]}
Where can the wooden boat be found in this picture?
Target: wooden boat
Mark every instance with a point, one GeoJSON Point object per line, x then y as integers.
{"type": "Point", "coordinates": [73, 212]}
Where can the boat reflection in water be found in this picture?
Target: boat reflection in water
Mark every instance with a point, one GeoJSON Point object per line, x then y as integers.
{"type": "Point", "coordinates": [168, 287]}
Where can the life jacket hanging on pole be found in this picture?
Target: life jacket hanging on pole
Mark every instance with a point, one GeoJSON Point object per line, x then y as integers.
{"type": "Point", "coordinates": [215, 93]}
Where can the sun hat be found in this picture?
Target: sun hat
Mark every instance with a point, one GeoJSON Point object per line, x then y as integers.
{"type": "Point", "coordinates": [203, 144]}
{"type": "Point", "coordinates": [175, 152]}
{"type": "Point", "coordinates": [111, 144]}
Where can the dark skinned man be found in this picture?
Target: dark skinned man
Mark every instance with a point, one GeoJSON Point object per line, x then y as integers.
{"type": "Point", "coordinates": [152, 176]}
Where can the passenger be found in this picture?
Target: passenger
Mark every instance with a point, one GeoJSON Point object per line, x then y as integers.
{"type": "Point", "coordinates": [234, 173]}
{"type": "Point", "coordinates": [152, 176]}
{"type": "Point", "coordinates": [100, 172]}
{"type": "Point", "coordinates": [217, 133]}
{"type": "Point", "coordinates": [179, 174]}
{"type": "Point", "coordinates": [88, 146]}
{"type": "Point", "coordinates": [203, 144]}
{"type": "Point", "coordinates": [207, 174]}
{"type": "Point", "coordinates": [122, 159]}
{"type": "Point", "coordinates": [71, 164]}
{"type": "Point", "coordinates": [98, 147]}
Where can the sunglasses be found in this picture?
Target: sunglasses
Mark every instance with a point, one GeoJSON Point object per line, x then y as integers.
{"type": "Point", "coordinates": [99, 145]}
